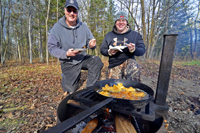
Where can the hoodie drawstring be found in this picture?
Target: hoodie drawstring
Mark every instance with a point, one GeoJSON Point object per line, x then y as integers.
{"type": "Point", "coordinates": [74, 35]}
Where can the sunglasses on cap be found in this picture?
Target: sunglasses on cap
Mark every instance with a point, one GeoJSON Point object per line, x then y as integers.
{"type": "Point", "coordinates": [74, 11]}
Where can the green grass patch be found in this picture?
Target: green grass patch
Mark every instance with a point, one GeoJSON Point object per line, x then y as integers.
{"type": "Point", "coordinates": [11, 124]}
{"type": "Point", "coordinates": [25, 67]}
{"type": "Point", "coordinates": [189, 63]}
{"type": "Point", "coordinates": [42, 67]}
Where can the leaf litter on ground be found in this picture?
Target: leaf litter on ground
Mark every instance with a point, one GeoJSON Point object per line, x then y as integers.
{"type": "Point", "coordinates": [33, 93]}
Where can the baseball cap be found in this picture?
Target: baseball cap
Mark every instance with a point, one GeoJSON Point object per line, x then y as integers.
{"type": "Point", "coordinates": [72, 3]}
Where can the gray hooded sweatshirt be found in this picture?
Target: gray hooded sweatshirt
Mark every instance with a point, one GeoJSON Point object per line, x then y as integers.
{"type": "Point", "coordinates": [63, 37]}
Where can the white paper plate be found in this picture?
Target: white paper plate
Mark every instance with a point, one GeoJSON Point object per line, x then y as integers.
{"type": "Point", "coordinates": [80, 49]}
{"type": "Point", "coordinates": [117, 47]}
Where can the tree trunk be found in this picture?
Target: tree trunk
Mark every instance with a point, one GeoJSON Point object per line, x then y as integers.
{"type": "Point", "coordinates": [151, 34]}
{"type": "Point", "coordinates": [191, 48]}
{"type": "Point", "coordinates": [190, 29]}
{"type": "Point", "coordinates": [156, 23]}
{"type": "Point", "coordinates": [15, 46]}
{"type": "Point", "coordinates": [195, 30]}
{"type": "Point", "coordinates": [148, 22]}
{"type": "Point", "coordinates": [39, 35]}
{"type": "Point", "coordinates": [153, 37]}
{"type": "Point", "coordinates": [143, 22]}
{"type": "Point", "coordinates": [8, 32]}
{"type": "Point", "coordinates": [1, 45]}
{"type": "Point", "coordinates": [57, 21]}
{"type": "Point", "coordinates": [167, 17]}
{"type": "Point", "coordinates": [30, 31]}
{"type": "Point", "coordinates": [21, 36]}
{"type": "Point", "coordinates": [136, 15]}
{"type": "Point", "coordinates": [40, 43]}
{"type": "Point", "coordinates": [26, 51]}
{"type": "Point", "coordinates": [88, 14]}
{"type": "Point", "coordinates": [19, 53]}
{"type": "Point", "coordinates": [1, 32]}
{"type": "Point", "coordinates": [22, 44]}
{"type": "Point", "coordinates": [47, 51]}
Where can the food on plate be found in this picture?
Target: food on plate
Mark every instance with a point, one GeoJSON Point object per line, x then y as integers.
{"type": "Point", "coordinates": [120, 91]}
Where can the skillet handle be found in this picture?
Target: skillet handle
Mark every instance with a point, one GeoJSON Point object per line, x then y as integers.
{"type": "Point", "coordinates": [67, 124]}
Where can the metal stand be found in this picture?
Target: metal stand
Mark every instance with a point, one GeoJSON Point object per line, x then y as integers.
{"type": "Point", "coordinates": [164, 73]}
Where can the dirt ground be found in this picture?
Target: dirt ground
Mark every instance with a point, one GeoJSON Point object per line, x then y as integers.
{"type": "Point", "coordinates": [183, 98]}
{"type": "Point", "coordinates": [184, 105]}
{"type": "Point", "coordinates": [37, 90]}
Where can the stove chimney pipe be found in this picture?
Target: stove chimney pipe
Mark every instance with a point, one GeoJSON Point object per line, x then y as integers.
{"type": "Point", "coordinates": [165, 71]}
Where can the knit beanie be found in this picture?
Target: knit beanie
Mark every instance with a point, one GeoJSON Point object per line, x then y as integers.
{"type": "Point", "coordinates": [121, 15]}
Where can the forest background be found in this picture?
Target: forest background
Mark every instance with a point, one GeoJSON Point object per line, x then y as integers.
{"type": "Point", "coordinates": [25, 25]}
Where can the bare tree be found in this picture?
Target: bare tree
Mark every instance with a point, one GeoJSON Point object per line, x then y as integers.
{"type": "Point", "coordinates": [21, 38]}
{"type": "Point", "coordinates": [40, 42]}
{"type": "Point", "coordinates": [30, 30]}
{"type": "Point", "coordinates": [39, 35]}
{"type": "Point", "coordinates": [197, 20]}
{"type": "Point", "coordinates": [152, 29]}
{"type": "Point", "coordinates": [143, 21]}
{"type": "Point", "coordinates": [57, 21]}
{"type": "Point", "coordinates": [46, 24]}
{"type": "Point", "coordinates": [190, 28]}
{"type": "Point", "coordinates": [8, 32]}
{"type": "Point", "coordinates": [1, 30]}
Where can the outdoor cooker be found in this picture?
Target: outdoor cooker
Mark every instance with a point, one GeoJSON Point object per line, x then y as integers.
{"type": "Point", "coordinates": [132, 104]}
{"type": "Point", "coordinates": [147, 112]}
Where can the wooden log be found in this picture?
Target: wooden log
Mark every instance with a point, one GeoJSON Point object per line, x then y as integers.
{"type": "Point", "coordinates": [73, 102]}
{"type": "Point", "coordinates": [91, 125]}
{"type": "Point", "coordinates": [123, 125]}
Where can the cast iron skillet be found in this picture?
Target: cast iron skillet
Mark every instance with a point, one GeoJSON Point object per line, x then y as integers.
{"type": "Point", "coordinates": [134, 104]}
{"type": "Point", "coordinates": [67, 124]}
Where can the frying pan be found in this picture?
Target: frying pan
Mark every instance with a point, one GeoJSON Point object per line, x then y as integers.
{"type": "Point", "coordinates": [133, 104]}
{"type": "Point", "coordinates": [114, 102]}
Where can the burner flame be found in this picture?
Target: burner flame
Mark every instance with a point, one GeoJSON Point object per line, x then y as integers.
{"type": "Point", "coordinates": [107, 113]}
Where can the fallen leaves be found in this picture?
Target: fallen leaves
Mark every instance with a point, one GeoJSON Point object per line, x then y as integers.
{"type": "Point", "coordinates": [190, 72]}
{"type": "Point", "coordinates": [181, 93]}
{"type": "Point", "coordinates": [166, 124]}
{"type": "Point", "coordinates": [38, 87]}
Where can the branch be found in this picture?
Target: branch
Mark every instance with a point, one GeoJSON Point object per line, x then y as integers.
{"type": "Point", "coordinates": [14, 109]}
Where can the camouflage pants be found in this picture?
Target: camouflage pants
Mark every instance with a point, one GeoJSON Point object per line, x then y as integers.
{"type": "Point", "coordinates": [130, 69]}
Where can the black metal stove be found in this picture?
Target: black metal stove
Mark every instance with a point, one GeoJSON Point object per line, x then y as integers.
{"type": "Point", "coordinates": [90, 104]}
{"type": "Point", "coordinates": [70, 114]}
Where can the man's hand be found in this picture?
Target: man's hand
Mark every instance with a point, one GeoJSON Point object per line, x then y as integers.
{"type": "Point", "coordinates": [71, 52]}
{"type": "Point", "coordinates": [131, 47]}
{"type": "Point", "coordinates": [92, 43]}
{"type": "Point", "coordinates": [112, 52]}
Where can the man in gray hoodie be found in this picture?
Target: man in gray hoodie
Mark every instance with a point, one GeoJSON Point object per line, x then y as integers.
{"type": "Point", "coordinates": [67, 35]}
